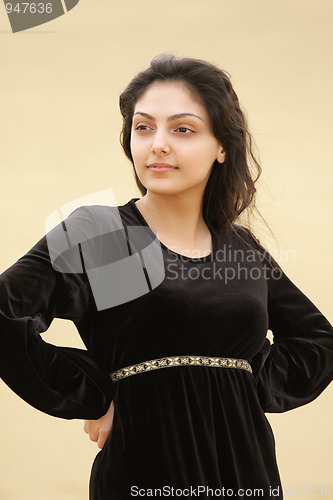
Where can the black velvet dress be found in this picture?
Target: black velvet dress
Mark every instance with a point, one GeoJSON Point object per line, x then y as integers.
{"type": "Point", "coordinates": [194, 430]}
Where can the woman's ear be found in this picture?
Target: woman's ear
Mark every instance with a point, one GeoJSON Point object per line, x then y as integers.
{"type": "Point", "coordinates": [221, 156]}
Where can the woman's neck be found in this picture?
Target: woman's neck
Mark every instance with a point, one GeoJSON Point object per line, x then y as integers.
{"type": "Point", "coordinates": [178, 222]}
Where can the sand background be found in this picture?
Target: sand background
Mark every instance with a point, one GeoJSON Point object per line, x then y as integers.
{"type": "Point", "coordinates": [59, 128]}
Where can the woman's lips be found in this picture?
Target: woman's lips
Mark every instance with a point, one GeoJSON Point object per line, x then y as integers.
{"type": "Point", "coordinates": [161, 167]}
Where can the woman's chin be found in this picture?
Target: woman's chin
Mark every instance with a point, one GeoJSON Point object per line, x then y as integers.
{"type": "Point", "coordinates": [162, 188]}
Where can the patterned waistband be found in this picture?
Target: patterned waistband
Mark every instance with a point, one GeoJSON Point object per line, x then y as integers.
{"type": "Point", "coordinates": [169, 361]}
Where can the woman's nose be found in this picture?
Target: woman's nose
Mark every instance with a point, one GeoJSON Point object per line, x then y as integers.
{"type": "Point", "coordinates": [160, 144]}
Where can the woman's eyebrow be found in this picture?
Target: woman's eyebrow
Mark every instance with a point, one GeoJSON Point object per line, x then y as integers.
{"type": "Point", "coordinates": [170, 118]}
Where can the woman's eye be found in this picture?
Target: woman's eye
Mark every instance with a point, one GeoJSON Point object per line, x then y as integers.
{"type": "Point", "coordinates": [142, 127]}
{"type": "Point", "coordinates": [184, 130]}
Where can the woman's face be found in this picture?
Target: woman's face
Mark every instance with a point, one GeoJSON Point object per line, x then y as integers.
{"type": "Point", "coordinates": [172, 145]}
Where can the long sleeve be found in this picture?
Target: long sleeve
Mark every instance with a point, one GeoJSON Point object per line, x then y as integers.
{"type": "Point", "coordinates": [298, 365]}
{"type": "Point", "coordinates": [60, 381]}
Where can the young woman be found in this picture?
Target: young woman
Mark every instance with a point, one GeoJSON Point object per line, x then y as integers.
{"type": "Point", "coordinates": [181, 367]}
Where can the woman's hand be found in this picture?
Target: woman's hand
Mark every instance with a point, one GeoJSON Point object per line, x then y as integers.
{"type": "Point", "coordinates": [100, 429]}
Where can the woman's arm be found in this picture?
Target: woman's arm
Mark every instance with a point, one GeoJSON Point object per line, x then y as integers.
{"type": "Point", "coordinates": [64, 382]}
{"type": "Point", "coordinates": [298, 365]}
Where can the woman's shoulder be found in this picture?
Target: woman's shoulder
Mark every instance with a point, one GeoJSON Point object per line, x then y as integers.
{"type": "Point", "coordinates": [243, 237]}
{"type": "Point", "coordinates": [106, 216]}
{"type": "Point", "coordinates": [239, 233]}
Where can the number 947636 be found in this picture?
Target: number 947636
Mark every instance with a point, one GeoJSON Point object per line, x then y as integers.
{"type": "Point", "coordinates": [29, 8]}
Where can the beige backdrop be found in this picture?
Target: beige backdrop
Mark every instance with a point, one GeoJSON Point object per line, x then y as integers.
{"type": "Point", "coordinates": [59, 130]}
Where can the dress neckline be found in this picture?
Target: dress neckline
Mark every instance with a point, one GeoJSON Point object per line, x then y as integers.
{"type": "Point", "coordinates": [206, 258]}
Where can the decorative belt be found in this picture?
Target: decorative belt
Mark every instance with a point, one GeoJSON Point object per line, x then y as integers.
{"type": "Point", "coordinates": [169, 361]}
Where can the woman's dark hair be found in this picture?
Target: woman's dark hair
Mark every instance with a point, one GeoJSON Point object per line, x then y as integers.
{"type": "Point", "coordinates": [231, 185]}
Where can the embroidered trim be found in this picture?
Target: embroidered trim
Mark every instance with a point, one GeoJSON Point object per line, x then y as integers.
{"type": "Point", "coordinates": [171, 361]}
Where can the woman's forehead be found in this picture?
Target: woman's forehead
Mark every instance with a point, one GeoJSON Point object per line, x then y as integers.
{"type": "Point", "coordinates": [169, 98]}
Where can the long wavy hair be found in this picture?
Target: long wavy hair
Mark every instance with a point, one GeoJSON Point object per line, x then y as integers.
{"type": "Point", "coordinates": [231, 187]}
